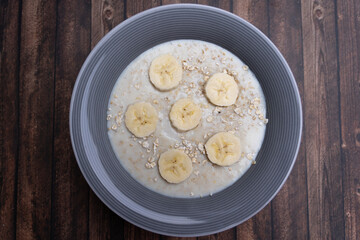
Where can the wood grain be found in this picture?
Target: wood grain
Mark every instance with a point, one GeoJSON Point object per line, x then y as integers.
{"type": "Point", "coordinates": [103, 223]}
{"type": "Point", "coordinates": [348, 27]}
{"type": "Point", "coordinates": [9, 114]}
{"type": "Point", "coordinates": [259, 226]}
{"type": "Point", "coordinates": [228, 234]}
{"type": "Point", "coordinates": [223, 4]}
{"type": "Point", "coordinates": [105, 15]}
{"type": "Point", "coordinates": [322, 126]}
{"type": "Point", "coordinates": [70, 191]}
{"type": "Point", "coordinates": [36, 89]}
{"type": "Point", "coordinates": [254, 11]}
{"type": "Point", "coordinates": [162, 237]}
{"type": "Point", "coordinates": [289, 207]}
{"type": "Point", "coordinates": [136, 6]}
{"type": "Point", "coordinates": [164, 2]}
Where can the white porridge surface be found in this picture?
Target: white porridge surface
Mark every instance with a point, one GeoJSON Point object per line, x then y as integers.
{"type": "Point", "coordinates": [246, 118]}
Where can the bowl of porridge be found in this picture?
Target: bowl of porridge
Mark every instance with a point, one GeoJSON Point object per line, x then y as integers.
{"type": "Point", "coordinates": [185, 120]}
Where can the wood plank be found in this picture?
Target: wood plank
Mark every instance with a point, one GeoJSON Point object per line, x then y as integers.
{"type": "Point", "coordinates": [164, 2]}
{"type": "Point", "coordinates": [223, 4]}
{"type": "Point", "coordinates": [289, 207]}
{"type": "Point", "coordinates": [136, 6]}
{"type": "Point", "coordinates": [228, 234]}
{"type": "Point", "coordinates": [253, 11]}
{"type": "Point", "coordinates": [70, 190]}
{"type": "Point", "coordinates": [105, 15]}
{"type": "Point", "coordinates": [348, 27]}
{"type": "Point", "coordinates": [321, 120]}
{"type": "Point", "coordinates": [132, 232]}
{"type": "Point", "coordinates": [103, 223]}
{"type": "Point", "coordinates": [36, 99]}
{"type": "Point", "coordinates": [256, 12]}
{"type": "Point", "coordinates": [9, 115]}
{"type": "Point", "coordinates": [177, 238]}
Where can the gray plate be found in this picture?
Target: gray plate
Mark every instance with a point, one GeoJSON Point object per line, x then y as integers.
{"type": "Point", "coordinates": [148, 209]}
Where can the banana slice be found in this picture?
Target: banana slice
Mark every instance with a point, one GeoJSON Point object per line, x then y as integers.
{"type": "Point", "coordinates": [185, 114]}
{"type": "Point", "coordinates": [223, 149]}
{"type": "Point", "coordinates": [221, 89]}
{"type": "Point", "coordinates": [175, 166]}
{"type": "Point", "coordinates": [141, 119]}
{"type": "Point", "coordinates": [165, 72]}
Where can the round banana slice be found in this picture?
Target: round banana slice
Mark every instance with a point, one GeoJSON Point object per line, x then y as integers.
{"type": "Point", "coordinates": [221, 89]}
{"type": "Point", "coordinates": [223, 149]}
{"type": "Point", "coordinates": [141, 119]}
{"type": "Point", "coordinates": [185, 114]}
{"type": "Point", "coordinates": [175, 166]}
{"type": "Point", "coordinates": [165, 72]}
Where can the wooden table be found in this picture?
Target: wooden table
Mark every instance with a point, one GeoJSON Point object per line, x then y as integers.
{"type": "Point", "coordinates": [42, 47]}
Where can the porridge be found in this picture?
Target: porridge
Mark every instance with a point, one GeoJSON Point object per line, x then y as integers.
{"type": "Point", "coordinates": [186, 118]}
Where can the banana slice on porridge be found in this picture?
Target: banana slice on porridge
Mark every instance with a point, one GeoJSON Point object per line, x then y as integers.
{"type": "Point", "coordinates": [222, 90]}
{"type": "Point", "coordinates": [223, 149]}
{"type": "Point", "coordinates": [185, 114]}
{"type": "Point", "coordinates": [141, 119]}
{"type": "Point", "coordinates": [165, 72]}
{"type": "Point", "coordinates": [175, 166]}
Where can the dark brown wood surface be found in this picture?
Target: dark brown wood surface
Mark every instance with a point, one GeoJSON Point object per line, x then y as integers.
{"type": "Point", "coordinates": [43, 45]}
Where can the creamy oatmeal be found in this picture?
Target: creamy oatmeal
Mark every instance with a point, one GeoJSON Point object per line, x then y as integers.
{"type": "Point", "coordinates": [245, 118]}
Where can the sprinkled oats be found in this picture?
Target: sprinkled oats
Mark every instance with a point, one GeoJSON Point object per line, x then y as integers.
{"type": "Point", "coordinates": [145, 144]}
{"type": "Point", "coordinates": [114, 127]}
{"type": "Point", "coordinates": [150, 165]}
{"type": "Point", "coordinates": [193, 160]}
{"type": "Point", "coordinates": [237, 110]}
{"type": "Point", "coordinates": [155, 179]}
{"type": "Point", "coordinates": [249, 156]}
{"type": "Point", "coordinates": [108, 117]}
{"type": "Point", "coordinates": [245, 68]}
{"type": "Point", "coordinates": [137, 86]}
{"type": "Point", "coordinates": [266, 120]}
{"type": "Point", "coordinates": [209, 119]}
{"type": "Point", "coordinates": [217, 110]}
{"type": "Point", "coordinates": [155, 101]}
{"type": "Point", "coordinates": [118, 120]}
